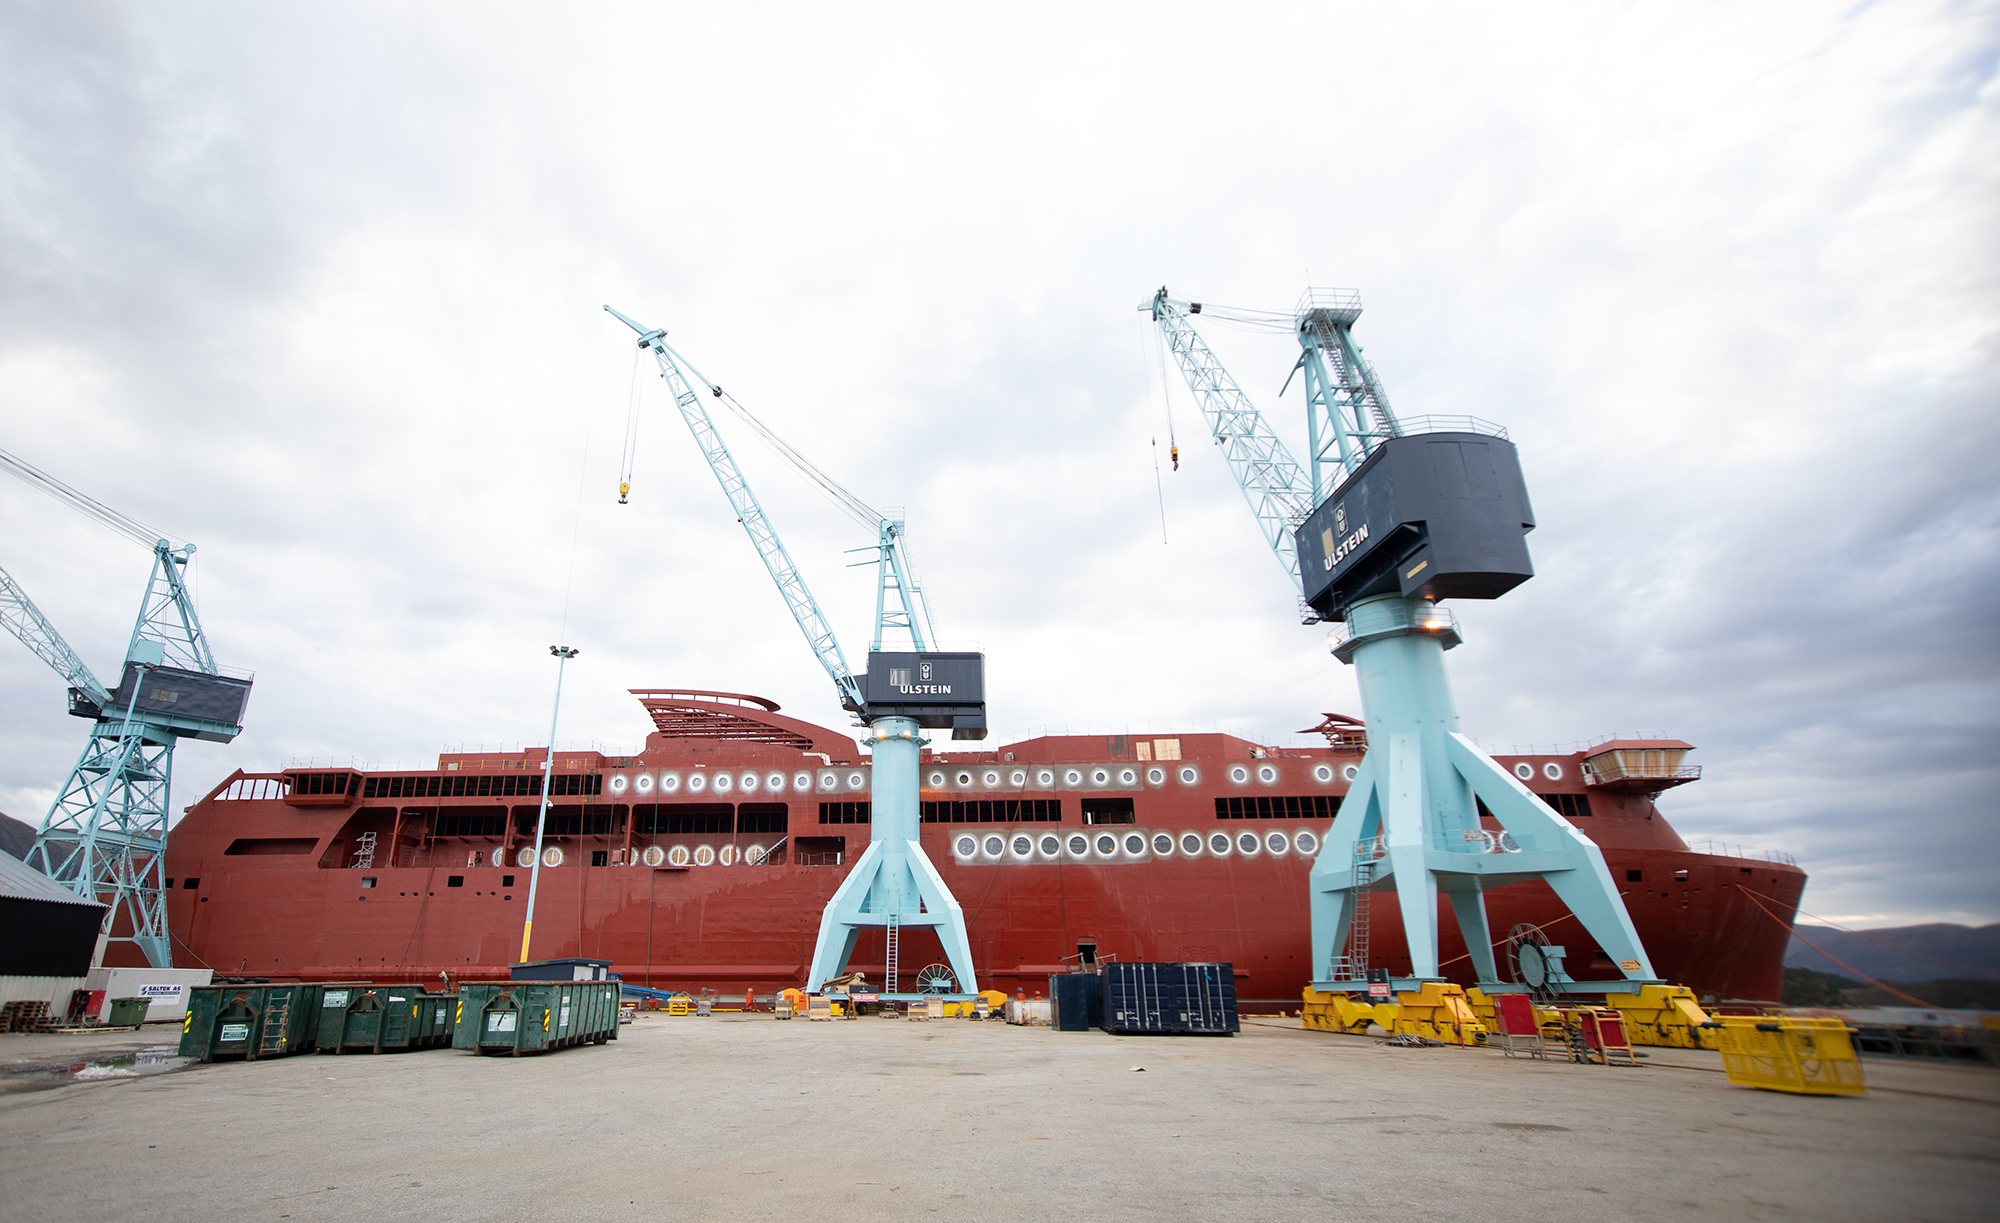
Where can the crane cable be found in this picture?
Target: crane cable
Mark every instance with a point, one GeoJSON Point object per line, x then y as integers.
{"type": "Point", "coordinates": [631, 452]}
{"type": "Point", "coordinates": [125, 525]}
{"type": "Point", "coordinates": [1173, 445]}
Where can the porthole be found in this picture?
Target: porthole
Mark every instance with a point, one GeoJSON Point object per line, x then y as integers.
{"type": "Point", "coordinates": [1156, 777]}
{"type": "Point", "coordinates": [722, 783]}
{"type": "Point", "coordinates": [618, 783]}
{"type": "Point", "coordinates": [1019, 777]}
{"type": "Point", "coordinates": [552, 856]}
{"type": "Point", "coordinates": [748, 783]}
{"type": "Point", "coordinates": [1552, 771]}
{"type": "Point", "coordinates": [802, 782]}
{"type": "Point", "coordinates": [857, 780]}
{"type": "Point", "coordinates": [1277, 843]}
{"type": "Point", "coordinates": [1305, 843]}
{"type": "Point", "coordinates": [653, 856]}
{"type": "Point", "coordinates": [1191, 844]}
{"type": "Point", "coordinates": [1239, 774]}
{"type": "Point", "coordinates": [525, 858]}
{"type": "Point", "coordinates": [993, 846]}
{"type": "Point", "coordinates": [935, 781]}
{"type": "Point", "coordinates": [1323, 774]}
{"type": "Point", "coordinates": [1524, 771]}
{"type": "Point", "coordinates": [1051, 846]}
{"type": "Point", "coordinates": [1267, 773]}
{"type": "Point", "coordinates": [704, 855]}
{"type": "Point", "coordinates": [1247, 842]}
{"type": "Point", "coordinates": [697, 782]}
{"type": "Point", "coordinates": [1190, 775]}
{"type": "Point", "coordinates": [964, 781]}
{"type": "Point", "coordinates": [965, 847]}
{"type": "Point", "coordinates": [643, 783]}
{"type": "Point", "coordinates": [725, 855]}
{"type": "Point", "coordinates": [774, 782]}
{"type": "Point", "coordinates": [1022, 846]}
{"type": "Point", "coordinates": [1072, 777]}
{"type": "Point", "coordinates": [1128, 777]}
{"type": "Point", "coordinates": [1107, 845]}
{"type": "Point", "coordinates": [1045, 778]}
{"type": "Point", "coordinates": [1218, 844]}
{"type": "Point", "coordinates": [1135, 843]}
{"type": "Point", "coordinates": [1100, 777]}
{"type": "Point", "coordinates": [829, 781]}
{"type": "Point", "coordinates": [1163, 844]}
{"type": "Point", "coordinates": [669, 782]}
{"type": "Point", "coordinates": [678, 856]}
{"type": "Point", "coordinates": [992, 777]}
{"type": "Point", "coordinates": [754, 855]}
{"type": "Point", "coordinates": [1349, 772]}
{"type": "Point", "coordinates": [1078, 845]}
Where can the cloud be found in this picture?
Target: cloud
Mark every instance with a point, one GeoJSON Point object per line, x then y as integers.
{"type": "Point", "coordinates": [320, 291]}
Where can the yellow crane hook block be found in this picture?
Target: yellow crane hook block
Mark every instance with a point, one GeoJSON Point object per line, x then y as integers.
{"type": "Point", "coordinates": [1812, 1057]}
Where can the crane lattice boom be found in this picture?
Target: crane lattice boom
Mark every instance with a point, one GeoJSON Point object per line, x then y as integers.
{"type": "Point", "coordinates": [1272, 481]}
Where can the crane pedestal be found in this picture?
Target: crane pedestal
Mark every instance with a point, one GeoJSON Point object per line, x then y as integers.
{"type": "Point", "coordinates": [1411, 820]}
{"type": "Point", "coordinates": [893, 885]}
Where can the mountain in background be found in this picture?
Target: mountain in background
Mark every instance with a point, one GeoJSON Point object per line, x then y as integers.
{"type": "Point", "coordinates": [1975, 951]}
{"type": "Point", "coordinates": [16, 838]}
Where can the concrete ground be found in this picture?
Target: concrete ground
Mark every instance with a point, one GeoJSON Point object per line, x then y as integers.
{"type": "Point", "coordinates": [739, 1118]}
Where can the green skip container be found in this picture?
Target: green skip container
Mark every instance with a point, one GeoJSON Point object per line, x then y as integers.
{"type": "Point", "coordinates": [516, 1017]}
{"type": "Point", "coordinates": [379, 1018]}
{"type": "Point", "coordinates": [250, 1021]}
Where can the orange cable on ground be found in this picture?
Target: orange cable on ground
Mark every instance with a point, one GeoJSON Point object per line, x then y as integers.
{"type": "Point", "coordinates": [1816, 947]}
{"type": "Point", "coordinates": [1864, 934]}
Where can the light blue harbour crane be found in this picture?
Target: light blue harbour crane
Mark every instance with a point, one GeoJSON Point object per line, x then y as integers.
{"type": "Point", "coordinates": [104, 837]}
{"type": "Point", "coordinates": [893, 885]}
{"type": "Point", "coordinates": [1396, 515]}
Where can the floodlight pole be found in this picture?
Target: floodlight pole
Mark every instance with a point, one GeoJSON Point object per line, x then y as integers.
{"type": "Point", "coordinates": [563, 654]}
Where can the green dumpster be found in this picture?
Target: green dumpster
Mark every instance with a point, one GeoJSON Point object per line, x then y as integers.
{"type": "Point", "coordinates": [516, 1017]}
{"type": "Point", "coordinates": [127, 1012]}
{"type": "Point", "coordinates": [249, 1021]}
{"type": "Point", "coordinates": [375, 1018]}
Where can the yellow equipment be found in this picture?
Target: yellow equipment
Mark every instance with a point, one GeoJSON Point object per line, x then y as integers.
{"type": "Point", "coordinates": [1663, 1015]}
{"type": "Point", "coordinates": [1343, 1013]}
{"type": "Point", "coordinates": [678, 1005]}
{"type": "Point", "coordinates": [1439, 1011]}
{"type": "Point", "coordinates": [1811, 1057]}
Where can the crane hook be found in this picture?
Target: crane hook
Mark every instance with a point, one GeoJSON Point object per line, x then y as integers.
{"type": "Point", "coordinates": [624, 487]}
{"type": "Point", "coordinates": [1174, 452]}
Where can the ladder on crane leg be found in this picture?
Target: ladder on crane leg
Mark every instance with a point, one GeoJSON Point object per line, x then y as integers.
{"type": "Point", "coordinates": [891, 968]}
{"type": "Point", "coordinates": [1352, 965]}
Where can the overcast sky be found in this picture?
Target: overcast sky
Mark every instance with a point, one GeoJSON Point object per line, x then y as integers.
{"type": "Point", "coordinates": [319, 288]}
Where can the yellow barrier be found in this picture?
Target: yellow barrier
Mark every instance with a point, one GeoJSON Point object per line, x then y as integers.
{"type": "Point", "coordinates": [1811, 1057]}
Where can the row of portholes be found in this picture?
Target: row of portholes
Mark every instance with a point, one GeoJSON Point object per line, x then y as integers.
{"type": "Point", "coordinates": [1526, 771]}
{"type": "Point", "coordinates": [1127, 846]}
{"type": "Point", "coordinates": [828, 781]}
{"type": "Point", "coordinates": [652, 855]}
{"type": "Point", "coordinates": [1126, 777]}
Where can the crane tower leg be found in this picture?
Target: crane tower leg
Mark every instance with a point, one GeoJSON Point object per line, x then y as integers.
{"type": "Point", "coordinates": [894, 878]}
{"type": "Point", "coordinates": [1425, 781]}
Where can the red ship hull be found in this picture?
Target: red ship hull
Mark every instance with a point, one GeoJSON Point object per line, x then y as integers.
{"type": "Point", "coordinates": [396, 879]}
